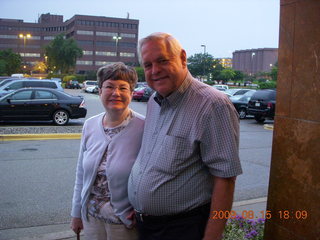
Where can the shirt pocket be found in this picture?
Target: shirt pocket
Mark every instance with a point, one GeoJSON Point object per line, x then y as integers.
{"type": "Point", "coordinates": [175, 153]}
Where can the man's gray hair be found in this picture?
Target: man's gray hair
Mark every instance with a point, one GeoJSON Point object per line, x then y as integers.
{"type": "Point", "coordinates": [117, 71]}
{"type": "Point", "coordinates": [173, 45]}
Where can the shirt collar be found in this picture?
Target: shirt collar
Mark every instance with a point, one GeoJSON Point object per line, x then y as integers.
{"type": "Point", "coordinates": [174, 98]}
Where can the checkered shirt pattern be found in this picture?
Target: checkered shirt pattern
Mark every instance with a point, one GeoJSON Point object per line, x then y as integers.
{"type": "Point", "coordinates": [188, 137]}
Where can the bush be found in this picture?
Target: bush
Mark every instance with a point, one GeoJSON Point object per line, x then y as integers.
{"type": "Point", "coordinates": [266, 85]}
{"type": "Point", "coordinates": [68, 78]}
{"type": "Point", "coordinates": [244, 229]}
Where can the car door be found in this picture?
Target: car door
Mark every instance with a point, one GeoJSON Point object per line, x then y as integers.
{"type": "Point", "coordinates": [16, 106]}
{"type": "Point", "coordinates": [43, 104]}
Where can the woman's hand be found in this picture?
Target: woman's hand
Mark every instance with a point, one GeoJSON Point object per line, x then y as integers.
{"type": "Point", "coordinates": [131, 217]}
{"type": "Point", "coordinates": [76, 225]}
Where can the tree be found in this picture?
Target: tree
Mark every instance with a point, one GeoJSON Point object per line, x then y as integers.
{"type": "Point", "coordinates": [40, 67]}
{"type": "Point", "coordinates": [274, 72]}
{"type": "Point", "coordinates": [140, 72]}
{"type": "Point", "coordinates": [227, 74]}
{"type": "Point", "coordinates": [202, 64]}
{"type": "Point", "coordinates": [10, 62]}
{"type": "Point", "coordinates": [62, 54]}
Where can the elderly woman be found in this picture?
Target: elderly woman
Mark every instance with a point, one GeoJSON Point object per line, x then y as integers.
{"type": "Point", "coordinates": [109, 146]}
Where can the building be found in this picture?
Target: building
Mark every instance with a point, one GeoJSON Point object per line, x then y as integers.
{"type": "Point", "coordinates": [252, 61]}
{"type": "Point", "coordinates": [102, 39]}
{"type": "Point", "coordinates": [225, 62]}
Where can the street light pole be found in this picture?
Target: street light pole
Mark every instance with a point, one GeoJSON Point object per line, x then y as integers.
{"type": "Point", "coordinates": [203, 60]}
{"type": "Point", "coordinates": [117, 39]}
{"type": "Point", "coordinates": [24, 45]}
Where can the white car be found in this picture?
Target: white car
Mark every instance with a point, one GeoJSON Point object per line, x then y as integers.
{"type": "Point", "coordinates": [92, 89]}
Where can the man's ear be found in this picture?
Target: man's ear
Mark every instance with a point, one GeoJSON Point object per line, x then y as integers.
{"type": "Point", "coordinates": [183, 57]}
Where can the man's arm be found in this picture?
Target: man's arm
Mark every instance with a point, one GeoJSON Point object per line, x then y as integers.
{"type": "Point", "coordinates": [222, 198]}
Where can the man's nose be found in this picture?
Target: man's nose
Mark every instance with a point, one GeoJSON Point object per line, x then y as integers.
{"type": "Point", "coordinates": [155, 69]}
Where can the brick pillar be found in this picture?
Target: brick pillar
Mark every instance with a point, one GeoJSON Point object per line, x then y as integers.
{"type": "Point", "coordinates": [295, 168]}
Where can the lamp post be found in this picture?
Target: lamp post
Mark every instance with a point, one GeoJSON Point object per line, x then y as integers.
{"type": "Point", "coordinates": [117, 39]}
{"type": "Point", "coordinates": [203, 58]}
{"type": "Point", "coordinates": [24, 37]}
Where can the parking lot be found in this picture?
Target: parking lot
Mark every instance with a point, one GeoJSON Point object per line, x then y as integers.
{"type": "Point", "coordinates": [36, 180]}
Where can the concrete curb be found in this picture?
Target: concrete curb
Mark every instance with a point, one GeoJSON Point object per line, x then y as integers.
{"type": "Point", "coordinates": [268, 126]}
{"type": "Point", "coordinates": [21, 137]}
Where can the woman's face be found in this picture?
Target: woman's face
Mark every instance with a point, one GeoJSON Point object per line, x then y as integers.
{"type": "Point", "coordinates": [115, 95]}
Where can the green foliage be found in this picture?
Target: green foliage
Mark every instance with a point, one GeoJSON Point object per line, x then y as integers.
{"type": "Point", "coordinates": [91, 75]}
{"type": "Point", "coordinates": [140, 72]}
{"type": "Point", "coordinates": [62, 54]}
{"type": "Point", "coordinates": [238, 75]}
{"type": "Point", "coordinates": [67, 78]}
{"type": "Point", "coordinates": [244, 229]}
{"type": "Point", "coordinates": [274, 72]}
{"type": "Point", "coordinates": [227, 74]}
{"type": "Point", "coordinates": [10, 62]}
{"type": "Point", "coordinates": [202, 64]}
{"type": "Point", "coordinates": [267, 85]}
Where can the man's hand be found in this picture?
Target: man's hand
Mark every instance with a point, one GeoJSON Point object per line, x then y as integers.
{"type": "Point", "coordinates": [222, 198]}
{"type": "Point", "coordinates": [76, 225]}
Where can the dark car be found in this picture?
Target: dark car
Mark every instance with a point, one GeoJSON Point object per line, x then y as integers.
{"type": "Point", "coordinates": [73, 84]}
{"type": "Point", "coordinates": [148, 91]}
{"type": "Point", "coordinates": [241, 104]}
{"type": "Point", "coordinates": [38, 104]}
{"type": "Point", "coordinates": [262, 105]}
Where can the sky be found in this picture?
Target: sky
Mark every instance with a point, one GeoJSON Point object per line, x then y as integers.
{"type": "Point", "coordinates": [223, 26]}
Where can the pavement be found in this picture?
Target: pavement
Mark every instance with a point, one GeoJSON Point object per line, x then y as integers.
{"type": "Point", "coordinates": [62, 231]}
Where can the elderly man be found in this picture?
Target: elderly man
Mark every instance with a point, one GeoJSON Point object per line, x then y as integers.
{"type": "Point", "coordinates": [188, 161]}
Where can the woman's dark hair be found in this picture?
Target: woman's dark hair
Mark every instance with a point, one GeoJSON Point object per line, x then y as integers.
{"type": "Point", "coordinates": [117, 71]}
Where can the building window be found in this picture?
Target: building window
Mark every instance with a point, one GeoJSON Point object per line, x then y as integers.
{"type": "Point", "coordinates": [82, 42]}
{"type": "Point", "coordinates": [126, 44]}
{"type": "Point", "coordinates": [128, 35]}
{"type": "Point", "coordinates": [98, 53]}
{"type": "Point", "coordinates": [109, 34]}
{"type": "Point", "coordinates": [84, 62]}
{"type": "Point", "coordinates": [81, 32]}
{"type": "Point", "coordinates": [30, 54]}
{"type": "Point", "coordinates": [100, 43]}
{"type": "Point", "coordinates": [49, 37]}
{"type": "Point", "coordinates": [126, 54]}
{"type": "Point", "coordinates": [87, 52]}
{"type": "Point", "coordinates": [8, 45]}
{"type": "Point", "coordinates": [35, 37]}
{"type": "Point", "coordinates": [9, 36]}
{"type": "Point", "coordinates": [100, 63]}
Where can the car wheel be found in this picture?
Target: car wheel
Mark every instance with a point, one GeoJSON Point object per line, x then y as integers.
{"type": "Point", "coordinates": [242, 113]}
{"type": "Point", "coordinates": [60, 117]}
{"type": "Point", "coordinates": [259, 118]}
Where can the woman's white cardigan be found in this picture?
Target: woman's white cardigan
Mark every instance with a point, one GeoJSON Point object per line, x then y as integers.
{"type": "Point", "coordinates": [123, 149]}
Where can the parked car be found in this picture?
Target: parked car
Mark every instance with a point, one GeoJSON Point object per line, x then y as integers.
{"type": "Point", "coordinates": [73, 84]}
{"type": "Point", "coordinates": [41, 104]}
{"type": "Point", "coordinates": [148, 91]}
{"type": "Point", "coordinates": [141, 84]}
{"type": "Point", "coordinates": [221, 86]}
{"type": "Point", "coordinates": [138, 93]}
{"type": "Point", "coordinates": [25, 83]}
{"type": "Point", "coordinates": [92, 89]}
{"type": "Point", "coordinates": [87, 84]}
{"type": "Point", "coordinates": [262, 105]}
{"type": "Point", "coordinates": [241, 104]}
{"type": "Point", "coordinates": [236, 92]}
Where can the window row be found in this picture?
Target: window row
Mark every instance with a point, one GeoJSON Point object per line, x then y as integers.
{"type": "Point", "coordinates": [108, 34]}
{"type": "Point", "coordinates": [104, 44]}
{"type": "Point", "coordinates": [17, 37]}
{"type": "Point", "coordinates": [101, 53]}
{"type": "Point", "coordinates": [107, 24]}
{"type": "Point", "coordinates": [29, 54]}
